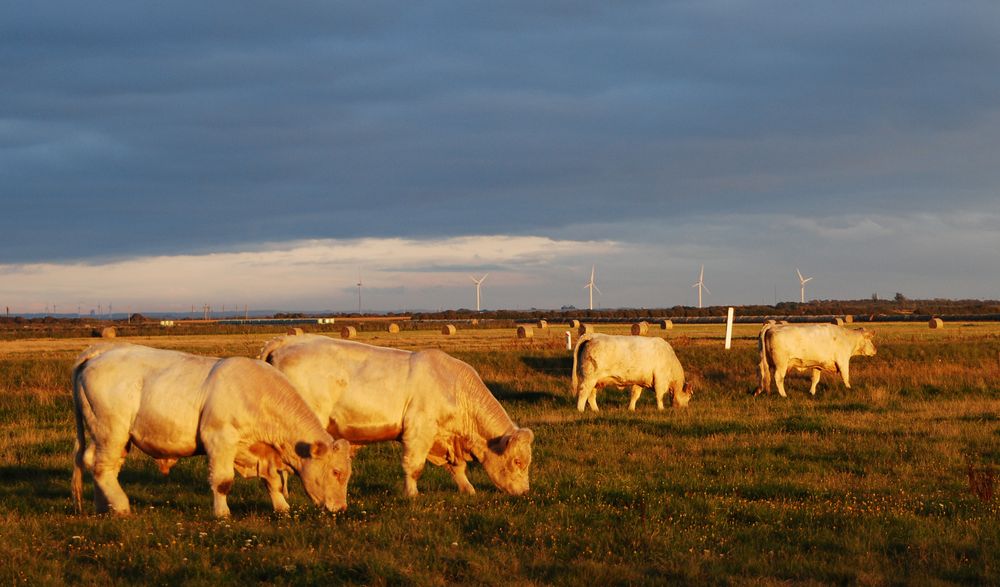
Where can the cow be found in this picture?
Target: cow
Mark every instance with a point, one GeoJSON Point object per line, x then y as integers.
{"type": "Point", "coordinates": [819, 347]}
{"type": "Point", "coordinates": [436, 405]}
{"type": "Point", "coordinates": [635, 361]}
{"type": "Point", "coordinates": [241, 412]}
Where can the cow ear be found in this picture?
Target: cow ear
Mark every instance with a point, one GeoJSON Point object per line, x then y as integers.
{"type": "Point", "coordinates": [868, 333]}
{"type": "Point", "coordinates": [523, 436]}
{"type": "Point", "coordinates": [318, 449]}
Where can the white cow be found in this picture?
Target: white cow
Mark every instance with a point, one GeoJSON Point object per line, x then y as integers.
{"type": "Point", "coordinates": [436, 405]}
{"type": "Point", "coordinates": [819, 347]}
{"type": "Point", "coordinates": [242, 413]}
{"type": "Point", "coordinates": [636, 361]}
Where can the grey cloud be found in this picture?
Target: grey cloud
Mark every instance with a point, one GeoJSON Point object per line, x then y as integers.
{"type": "Point", "coordinates": [137, 128]}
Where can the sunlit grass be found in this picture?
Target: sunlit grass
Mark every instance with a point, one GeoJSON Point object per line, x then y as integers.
{"type": "Point", "coordinates": [867, 485]}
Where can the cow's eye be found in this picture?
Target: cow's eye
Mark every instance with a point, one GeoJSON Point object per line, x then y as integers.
{"type": "Point", "coordinates": [519, 463]}
{"type": "Point", "coordinates": [337, 473]}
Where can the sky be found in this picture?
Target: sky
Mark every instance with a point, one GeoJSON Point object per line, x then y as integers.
{"type": "Point", "coordinates": [159, 156]}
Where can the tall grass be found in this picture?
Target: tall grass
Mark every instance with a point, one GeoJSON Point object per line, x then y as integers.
{"type": "Point", "coordinates": [868, 485]}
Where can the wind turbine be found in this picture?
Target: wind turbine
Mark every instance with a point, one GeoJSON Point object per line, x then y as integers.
{"type": "Point", "coordinates": [359, 291]}
{"type": "Point", "coordinates": [701, 284]}
{"type": "Point", "coordinates": [591, 286]}
{"type": "Point", "coordinates": [802, 285]}
{"type": "Point", "coordinates": [478, 282]}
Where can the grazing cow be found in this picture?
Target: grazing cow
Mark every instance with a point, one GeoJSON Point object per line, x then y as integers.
{"type": "Point", "coordinates": [820, 347]}
{"type": "Point", "coordinates": [436, 405]}
{"type": "Point", "coordinates": [242, 413]}
{"type": "Point", "coordinates": [604, 359]}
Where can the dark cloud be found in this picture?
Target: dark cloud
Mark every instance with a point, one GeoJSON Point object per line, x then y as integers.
{"type": "Point", "coordinates": [136, 128]}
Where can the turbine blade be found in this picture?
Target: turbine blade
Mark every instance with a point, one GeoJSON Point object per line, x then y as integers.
{"type": "Point", "coordinates": [483, 278]}
{"type": "Point", "coordinates": [701, 275]}
{"type": "Point", "coordinates": [696, 284]}
{"type": "Point", "coordinates": [799, 273]}
{"type": "Point", "coordinates": [806, 280]}
{"type": "Point", "coordinates": [706, 289]}
{"type": "Point", "coordinates": [598, 290]}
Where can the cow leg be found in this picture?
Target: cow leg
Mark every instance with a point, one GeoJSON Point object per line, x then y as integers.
{"type": "Point", "coordinates": [108, 493]}
{"type": "Point", "coordinates": [815, 381]}
{"type": "Point", "coordinates": [587, 393]}
{"type": "Point", "coordinates": [780, 369]}
{"type": "Point", "coordinates": [845, 372]}
{"type": "Point", "coordinates": [636, 392]}
{"type": "Point", "coordinates": [275, 482]}
{"type": "Point", "coordinates": [417, 442]}
{"type": "Point", "coordinates": [660, 386]}
{"type": "Point", "coordinates": [458, 474]}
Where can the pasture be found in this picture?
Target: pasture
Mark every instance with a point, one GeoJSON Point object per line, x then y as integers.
{"type": "Point", "coordinates": [884, 483]}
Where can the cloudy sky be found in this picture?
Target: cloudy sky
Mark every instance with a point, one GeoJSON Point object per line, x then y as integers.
{"type": "Point", "coordinates": [159, 155]}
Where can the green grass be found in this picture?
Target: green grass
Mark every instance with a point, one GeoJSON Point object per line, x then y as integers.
{"type": "Point", "coordinates": [866, 486]}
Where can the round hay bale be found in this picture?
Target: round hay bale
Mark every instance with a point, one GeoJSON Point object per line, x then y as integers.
{"type": "Point", "coordinates": [574, 323]}
{"type": "Point", "coordinates": [936, 323]}
{"type": "Point", "coordinates": [393, 328]}
{"type": "Point", "coordinates": [837, 321]}
{"type": "Point", "coordinates": [666, 324]}
{"type": "Point", "coordinates": [543, 324]}
{"type": "Point", "coordinates": [849, 319]}
{"type": "Point", "coordinates": [525, 331]}
{"type": "Point", "coordinates": [448, 329]}
{"type": "Point", "coordinates": [640, 328]}
{"type": "Point", "coordinates": [109, 332]}
{"type": "Point", "coordinates": [348, 332]}
{"type": "Point", "coordinates": [586, 329]}
{"type": "Point", "coordinates": [295, 332]}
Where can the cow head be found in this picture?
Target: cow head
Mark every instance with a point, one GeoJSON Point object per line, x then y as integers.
{"type": "Point", "coordinates": [682, 397]}
{"type": "Point", "coordinates": [325, 471]}
{"type": "Point", "coordinates": [507, 460]}
{"type": "Point", "coordinates": [865, 346]}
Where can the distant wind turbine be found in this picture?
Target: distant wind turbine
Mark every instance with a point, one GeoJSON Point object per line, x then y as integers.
{"type": "Point", "coordinates": [478, 283]}
{"type": "Point", "coordinates": [802, 285]}
{"type": "Point", "coordinates": [592, 286]}
{"type": "Point", "coordinates": [359, 291]}
{"type": "Point", "coordinates": [701, 284]}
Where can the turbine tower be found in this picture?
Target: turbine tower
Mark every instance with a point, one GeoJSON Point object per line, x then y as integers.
{"type": "Point", "coordinates": [701, 284]}
{"type": "Point", "coordinates": [591, 286]}
{"type": "Point", "coordinates": [359, 291]}
{"type": "Point", "coordinates": [802, 285]}
{"type": "Point", "coordinates": [478, 283]}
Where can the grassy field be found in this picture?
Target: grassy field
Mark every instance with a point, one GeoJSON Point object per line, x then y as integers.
{"type": "Point", "coordinates": [863, 486]}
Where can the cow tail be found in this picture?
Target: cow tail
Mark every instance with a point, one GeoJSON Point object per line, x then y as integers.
{"type": "Point", "coordinates": [80, 443]}
{"type": "Point", "coordinates": [577, 351]}
{"type": "Point", "coordinates": [765, 368]}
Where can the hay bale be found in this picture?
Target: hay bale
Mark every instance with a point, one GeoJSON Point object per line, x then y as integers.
{"type": "Point", "coordinates": [348, 332]}
{"type": "Point", "coordinates": [574, 323]}
{"type": "Point", "coordinates": [474, 321]}
{"type": "Point", "coordinates": [837, 321]}
{"type": "Point", "coordinates": [525, 331]}
{"type": "Point", "coordinates": [936, 323]}
{"type": "Point", "coordinates": [543, 324]}
{"type": "Point", "coordinates": [109, 332]}
{"type": "Point", "coordinates": [666, 324]}
{"type": "Point", "coordinates": [640, 328]}
{"type": "Point", "coordinates": [393, 328]}
{"type": "Point", "coordinates": [294, 332]}
{"type": "Point", "coordinates": [849, 319]}
{"type": "Point", "coordinates": [448, 329]}
{"type": "Point", "coordinates": [586, 329]}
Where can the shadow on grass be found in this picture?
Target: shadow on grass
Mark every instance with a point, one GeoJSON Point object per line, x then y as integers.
{"type": "Point", "coordinates": [550, 365]}
{"type": "Point", "coordinates": [504, 392]}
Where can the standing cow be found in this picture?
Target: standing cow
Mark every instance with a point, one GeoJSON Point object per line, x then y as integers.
{"type": "Point", "coordinates": [639, 362]}
{"type": "Point", "coordinates": [819, 347]}
{"type": "Point", "coordinates": [242, 413]}
{"type": "Point", "coordinates": [436, 405]}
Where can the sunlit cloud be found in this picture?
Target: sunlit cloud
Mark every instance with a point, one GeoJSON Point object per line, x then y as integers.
{"type": "Point", "coordinates": [317, 274]}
